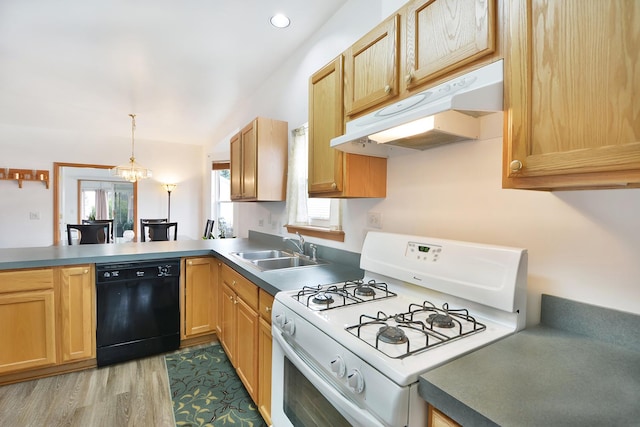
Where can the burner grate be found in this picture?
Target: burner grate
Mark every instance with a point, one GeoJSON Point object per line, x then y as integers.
{"type": "Point", "coordinates": [416, 329]}
{"type": "Point", "coordinates": [351, 292]}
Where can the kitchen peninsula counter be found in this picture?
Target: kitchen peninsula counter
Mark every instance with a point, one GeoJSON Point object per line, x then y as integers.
{"type": "Point", "coordinates": [580, 366]}
{"type": "Point", "coordinates": [342, 265]}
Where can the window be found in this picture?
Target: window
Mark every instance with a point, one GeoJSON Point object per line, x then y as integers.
{"type": "Point", "coordinates": [317, 217]}
{"type": "Point", "coordinates": [222, 207]}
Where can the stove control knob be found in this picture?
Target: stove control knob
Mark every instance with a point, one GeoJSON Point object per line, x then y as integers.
{"type": "Point", "coordinates": [280, 319]}
{"type": "Point", "coordinates": [338, 367]}
{"type": "Point", "coordinates": [289, 327]}
{"type": "Point", "coordinates": [356, 381]}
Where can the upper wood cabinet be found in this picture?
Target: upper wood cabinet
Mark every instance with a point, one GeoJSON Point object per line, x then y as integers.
{"type": "Point", "coordinates": [200, 296]}
{"type": "Point", "coordinates": [572, 85]}
{"type": "Point", "coordinates": [333, 173]}
{"type": "Point", "coordinates": [442, 35]}
{"type": "Point", "coordinates": [77, 312]}
{"type": "Point", "coordinates": [259, 161]}
{"type": "Point", "coordinates": [371, 67]}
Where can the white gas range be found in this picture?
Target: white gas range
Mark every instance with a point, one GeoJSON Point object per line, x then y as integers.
{"type": "Point", "coordinates": [351, 353]}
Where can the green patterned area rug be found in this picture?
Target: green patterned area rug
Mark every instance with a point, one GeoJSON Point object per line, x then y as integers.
{"type": "Point", "coordinates": [206, 390]}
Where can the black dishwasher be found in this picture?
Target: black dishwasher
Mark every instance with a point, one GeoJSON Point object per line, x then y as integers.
{"type": "Point", "coordinates": [138, 309]}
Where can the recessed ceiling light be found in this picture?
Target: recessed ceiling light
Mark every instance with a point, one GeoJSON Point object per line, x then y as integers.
{"type": "Point", "coordinates": [279, 21]}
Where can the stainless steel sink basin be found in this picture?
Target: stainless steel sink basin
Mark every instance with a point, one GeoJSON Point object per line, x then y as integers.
{"type": "Point", "coordinates": [275, 259]}
{"type": "Point", "coordinates": [278, 263]}
{"type": "Point", "coordinates": [268, 254]}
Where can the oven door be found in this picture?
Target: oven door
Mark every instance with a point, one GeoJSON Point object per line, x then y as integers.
{"type": "Point", "coordinates": [303, 396]}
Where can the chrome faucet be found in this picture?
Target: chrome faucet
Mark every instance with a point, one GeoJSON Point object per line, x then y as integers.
{"type": "Point", "coordinates": [299, 244]}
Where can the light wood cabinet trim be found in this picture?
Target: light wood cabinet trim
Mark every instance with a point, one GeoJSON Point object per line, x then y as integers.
{"type": "Point", "coordinates": [26, 280]}
{"type": "Point", "coordinates": [568, 115]}
{"type": "Point", "coordinates": [322, 233]}
{"type": "Point", "coordinates": [367, 83]}
{"type": "Point", "coordinates": [30, 340]}
{"type": "Point", "coordinates": [235, 151]}
{"type": "Point", "coordinates": [77, 312]}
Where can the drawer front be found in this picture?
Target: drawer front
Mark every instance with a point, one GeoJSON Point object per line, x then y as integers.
{"type": "Point", "coordinates": [26, 280]}
{"type": "Point", "coordinates": [246, 290]}
{"type": "Point", "coordinates": [266, 302]}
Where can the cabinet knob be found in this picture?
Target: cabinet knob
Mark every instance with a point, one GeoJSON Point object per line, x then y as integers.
{"type": "Point", "coordinates": [267, 309]}
{"type": "Point", "coordinates": [387, 89]}
{"type": "Point", "coordinates": [234, 283]}
{"type": "Point", "coordinates": [190, 262]}
{"type": "Point", "coordinates": [85, 271]}
{"type": "Point", "coordinates": [334, 185]}
{"type": "Point", "coordinates": [515, 166]}
{"type": "Point", "coordinates": [409, 77]}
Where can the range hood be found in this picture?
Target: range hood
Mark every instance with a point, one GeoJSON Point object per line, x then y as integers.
{"type": "Point", "coordinates": [442, 114]}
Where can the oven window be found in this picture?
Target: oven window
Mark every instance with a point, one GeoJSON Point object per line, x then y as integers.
{"type": "Point", "coordinates": [304, 405]}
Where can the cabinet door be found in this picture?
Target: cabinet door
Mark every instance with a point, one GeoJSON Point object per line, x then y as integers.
{"type": "Point", "coordinates": [248, 136]}
{"type": "Point", "coordinates": [228, 327]}
{"type": "Point", "coordinates": [571, 95]}
{"type": "Point", "coordinates": [77, 309]}
{"type": "Point", "coordinates": [438, 419]}
{"type": "Point", "coordinates": [28, 335]}
{"type": "Point", "coordinates": [443, 35]}
{"type": "Point", "coordinates": [371, 67]}
{"type": "Point", "coordinates": [200, 295]}
{"type": "Point", "coordinates": [326, 115]}
{"type": "Point", "coordinates": [247, 350]}
{"type": "Point", "coordinates": [264, 370]}
{"type": "Point", "coordinates": [235, 147]}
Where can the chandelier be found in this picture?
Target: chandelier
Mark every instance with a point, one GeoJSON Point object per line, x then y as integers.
{"type": "Point", "coordinates": [131, 171]}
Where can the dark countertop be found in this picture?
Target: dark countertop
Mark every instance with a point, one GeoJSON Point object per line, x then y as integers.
{"type": "Point", "coordinates": [342, 265]}
{"type": "Point", "coordinates": [565, 372]}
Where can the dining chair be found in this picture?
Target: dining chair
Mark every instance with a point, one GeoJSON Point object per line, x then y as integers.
{"type": "Point", "coordinates": [159, 231]}
{"type": "Point", "coordinates": [110, 237]}
{"type": "Point", "coordinates": [143, 221]}
{"type": "Point", "coordinates": [88, 233]}
{"type": "Point", "coordinates": [208, 230]}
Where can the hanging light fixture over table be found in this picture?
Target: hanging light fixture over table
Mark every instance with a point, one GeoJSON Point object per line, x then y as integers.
{"type": "Point", "coordinates": [131, 171]}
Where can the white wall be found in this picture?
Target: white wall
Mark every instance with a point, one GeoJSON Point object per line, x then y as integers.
{"type": "Point", "coordinates": [583, 245]}
{"type": "Point", "coordinates": [31, 148]}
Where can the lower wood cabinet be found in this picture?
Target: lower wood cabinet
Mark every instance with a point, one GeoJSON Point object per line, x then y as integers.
{"type": "Point", "coordinates": [438, 419]}
{"type": "Point", "coordinates": [77, 312]}
{"type": "Point", "coordinates": [245, 334]}
{"type": "Point", "coordinates": [48, 315]}
{"type": "Point", "coordinates": [264, 356]}
{"type": "Point", "coordinates": [239, 327]}
{"type": "Point", "coordinates": [27, 313]}
{"type": "Point", "coordinates": [200, 296]}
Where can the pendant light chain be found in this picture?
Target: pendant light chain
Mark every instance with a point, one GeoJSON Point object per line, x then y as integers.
{"type": "Point", "coordinates": [133, 130]}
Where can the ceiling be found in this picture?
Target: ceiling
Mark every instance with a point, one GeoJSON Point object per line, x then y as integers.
{"type": "Point", "coordinates": [181, 66]}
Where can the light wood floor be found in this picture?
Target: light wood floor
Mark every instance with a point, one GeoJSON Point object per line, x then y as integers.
{"type": "Point", "coordinates": [134, 393]}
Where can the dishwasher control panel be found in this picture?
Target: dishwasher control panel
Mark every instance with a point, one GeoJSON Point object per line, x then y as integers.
{"type": "Point", "coordinates": [136, 270]}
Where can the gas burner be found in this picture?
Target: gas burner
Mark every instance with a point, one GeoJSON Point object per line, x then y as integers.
{"type": "Point", "coordinates": [365, 291]}
{"type": "Point", "coordinates": [323, 298]}
{"type": "Point", "coordinates": [440, 320]}
{"type": "Point", "coordinates": [392, 335]}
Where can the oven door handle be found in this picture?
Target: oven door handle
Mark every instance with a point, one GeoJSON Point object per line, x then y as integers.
{"type": "Point", "coordinates": [354, 414]}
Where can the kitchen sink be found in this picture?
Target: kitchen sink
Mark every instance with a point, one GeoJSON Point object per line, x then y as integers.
{"type": "Point", "coordinates": [275, 259]}
{"type": "Point", "coordinates": [278, 263]}
{"type": "Point", "coordinates": [258, 255]}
